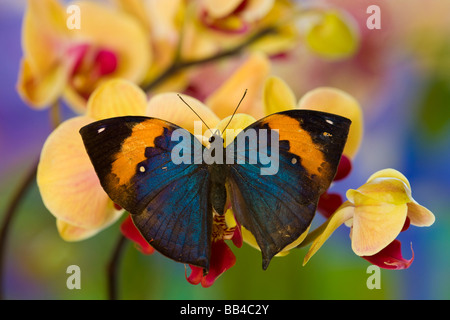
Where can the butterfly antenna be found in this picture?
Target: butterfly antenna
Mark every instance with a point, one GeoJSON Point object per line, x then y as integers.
{"type": "Point", "coordinates": [235, 110]}
{"type": "Point", "coordinates": [194, 112]}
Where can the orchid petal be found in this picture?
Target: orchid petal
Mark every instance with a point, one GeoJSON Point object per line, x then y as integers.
{"type": "Point", "coordinates": [116, 98]}
{"type": "Point", "coordinates": [329, 203]}
{"type": "Point", "coordinates": [132, 233]}
{"type": "Point", "coordinates": [378, 191]}
{"type": "Point", "coordinates": [278, 96]}
{"type": "Point", "coordinates": [196, 275]}
{"type": "Point", "coordinates": [222, 259]}
{"type": "Point", "coordinates": [334, 37]}
{"type": "Point", "coordinates": [126, 37]}
{"type": "Point", "coordinates": [169, 107]}
{"type": "Point", "coordinates": [220, 8]}
{"type": "Point", "coordinates": [41, 90]}
{"type": "Point", "coordinates": [419, 215]}
{"type": "Point", "coordinates": [389, 173]}
{"type": "Point", "coordinates": [69, 232]}
{"type": "Point", "coordinates": [344, 168]}
{"type": "Point", "coordinates": [342, 214]}
{"type": "Point", "coordinates": [257, 9]}
{"type": "Point", "coordinates": [391, 257]}
{"type": "Point", "coordinates": [375, 226]}
{"type": "Point", "coordinates": [43, 31]}
{"type": "Point", "coordinates": [67, 181]}
{"type": "Point", "coordinates": [341, 103]}
{"type": "Point", "coordinates": [250, 76]}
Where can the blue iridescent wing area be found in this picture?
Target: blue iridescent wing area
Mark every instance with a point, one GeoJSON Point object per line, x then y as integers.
{"type": "Point", "coordinates": [169, 202]}
{"type": "Point", "coordinates": [278, 204]}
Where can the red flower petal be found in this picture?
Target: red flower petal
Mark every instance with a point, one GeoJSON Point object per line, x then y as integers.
{"type": "Point", "coordinates": [344, 168]}
{"type": "Point", "coordinates": [196, 275]}
{"type": "Point", "coordinates": [222, 259]}
{"type": "Point", "coordinates": [237, 235]}
{"type": "Point", "coordinates": [130, 231]}
{"type": "Point", "coordinates": [406, 225]}
{"type": "Point", "coordinates": [328, 203]}
{"type": "Point", "coordinates": [391, 257]}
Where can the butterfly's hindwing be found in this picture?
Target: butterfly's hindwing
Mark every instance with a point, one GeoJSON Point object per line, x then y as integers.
{"type": "Point", "coordinates": [278, 208]}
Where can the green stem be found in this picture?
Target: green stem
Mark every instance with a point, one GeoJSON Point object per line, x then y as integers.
{"type": "Point", "coordinates": [113, 266]}
{"type": "Point", "coordinates": [8, 218]}
{"type": "Point", "coordinates": [179, 65]}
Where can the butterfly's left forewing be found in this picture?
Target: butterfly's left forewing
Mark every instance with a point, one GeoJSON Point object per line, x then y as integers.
{"type": "Point", "coordinates": [169, 201]}
{"type": "Point", "coordinates": [276, 200]}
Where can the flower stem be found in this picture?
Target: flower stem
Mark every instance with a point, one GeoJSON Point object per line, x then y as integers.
{"type": "Point", "coordinates": [8, 217]}
{"type": "Point", "coordinates": [112, 268]}
{"type": "Point", "coordinates": [179, 64]}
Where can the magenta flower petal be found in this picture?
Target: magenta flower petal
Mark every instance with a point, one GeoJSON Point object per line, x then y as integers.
{"type": "Point", "coordinates": [130, 231]}
{"type": "Point", "coordinates": [222, 259]}
{"type": "Point", "coordinates": [237, 235]}
{"type": "Point", "coordinates": [196, 275]}
{"type": "Point", "coordinates": [344, 168]}
{"type": "Point", "coordinates": [329, 203]}
{"type": "Point", "coordinates": [391, 257]}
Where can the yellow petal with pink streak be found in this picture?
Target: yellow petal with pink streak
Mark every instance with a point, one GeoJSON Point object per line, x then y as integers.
{"type": "Point", "coordinates": [69, 186]}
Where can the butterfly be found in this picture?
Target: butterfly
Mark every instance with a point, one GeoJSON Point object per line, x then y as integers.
{"type": "Point", "coordinates": [172, 192]}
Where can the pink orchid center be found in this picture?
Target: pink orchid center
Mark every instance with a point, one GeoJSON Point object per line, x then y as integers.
{"type": "Point", "coordinates": [89, 65]}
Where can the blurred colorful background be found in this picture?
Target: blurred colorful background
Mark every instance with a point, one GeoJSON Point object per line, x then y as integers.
{"type": "Point", "coordinates": [400, 75]}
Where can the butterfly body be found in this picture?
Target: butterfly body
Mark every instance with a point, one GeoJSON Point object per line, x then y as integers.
{"type": "Point", "coordinates": [218, 194]}
{"type": "Point", "coordinates": [273, 174]}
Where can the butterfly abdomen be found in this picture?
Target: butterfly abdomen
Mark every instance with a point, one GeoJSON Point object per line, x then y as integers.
{"type": "Point", "coordinates": [218, 193]}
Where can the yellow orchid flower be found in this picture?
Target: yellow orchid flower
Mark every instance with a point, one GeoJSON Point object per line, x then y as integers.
{"type": "Point", "coordinates": [234, 16]}
{"type": "Point", "coordinates": [66, 178]}
{"type": "Point", "coordinates": [377, 212]}
{"type": "Point", "coordinates": [215, 25]}
{"type": "Point", "coordinates": [72, 62]}
{"type": "Point", "coordinates": [162, 21]}
{"type": "Point", "coordinates": [333, 34]}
